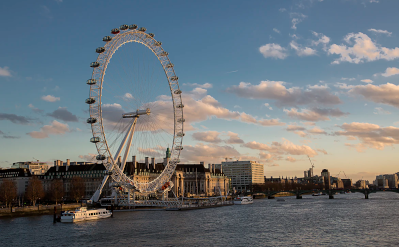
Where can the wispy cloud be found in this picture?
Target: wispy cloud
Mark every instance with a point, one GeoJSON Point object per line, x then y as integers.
{"type": "Point", "coordinates": [380, 31]}
{"type": "Point", "coordinates": [5, 71]}
{"type": "Point", "coordinates": [50, 98]}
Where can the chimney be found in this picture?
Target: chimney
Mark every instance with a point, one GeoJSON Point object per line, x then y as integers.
{"type": "Point", "coordinates": [202, 163]}
{"type": "Point", "coordinates": [221, 170]}
{"type": "Point", "coordinates": [153, 163]}
{"type": "Point", "coordinates": [68, 162]}
{"type": "Point", "coordinates": [147, 165]}
{"type": "Point", "coordinates": [134, 162]}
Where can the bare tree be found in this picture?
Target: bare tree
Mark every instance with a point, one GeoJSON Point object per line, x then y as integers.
{"type": "Point", "coordinates": [56, 190]}
{"type": "Point", "coordinates": [77, 189]}
{"type": "Point", "coordinates": [8, 191]}
{"type": "Point", "coordinates": [34, 191]}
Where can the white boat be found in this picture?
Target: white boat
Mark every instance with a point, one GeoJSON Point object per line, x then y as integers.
{"type": "Point", "coordinates": [81, 214]}
{"type": "Point", "coordinates": [243, 200]}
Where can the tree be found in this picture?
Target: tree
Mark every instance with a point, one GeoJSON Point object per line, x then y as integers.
{"type": "Point", "coordinates": [77, 189]}
{"type": "Point", "coordinates": [56, 190]}
{"type": "Point", "coordinates": [8, 191]}
{"type": "Point", "coordinates": [34, 191]}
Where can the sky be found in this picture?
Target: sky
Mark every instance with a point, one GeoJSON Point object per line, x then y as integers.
{"type": "Point", "coordinates": [271, 81]}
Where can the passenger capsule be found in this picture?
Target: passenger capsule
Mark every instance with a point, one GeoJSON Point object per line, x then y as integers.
{"type": "Point", "coordinates": [181, 120]}
{"type": "Point", "coordinates": [142, 29]}
{"type": "Point", "coordinates": [115, 31]}
{"type": "Point", "coordinates": [100, 157]}
{"type": "Point", "coordinates": [91, 120]}
{"type": "Point", "coordinates": [169, 65]}
{"type": "Point", "coordinates": [95, 139]}
{"type": "Point", "coordinates": [177, 91]}
{"type": "Point", "coordinates": [123, 27]}
{"type": "Point", "coordinates": [100, 49]}
{"type": "Point", "coordinates": [164, 53]}
{"type": "Point", "coordinates": [152, 35]}
{"type": "Point", "coordinates": [90, 101]}
{"type": "Point", "coordinates": [179, 148]}
{"type": "Point", "coordinates": [174, 78]}
{"type": "Point", "coordinates": [107, 38]}
{"type": "Point", "coordinates": [158, 43]}
{"type": "Point", "coordinates": [180, 134]}
{"type": "Point", "coordinates": [180, 106]}
{"type": "Point", "coordinates": [91, 81]}
{"type": "Point", "coordinates": [134, 26]}
{"type": "Point", "coordinates": [94, 64]}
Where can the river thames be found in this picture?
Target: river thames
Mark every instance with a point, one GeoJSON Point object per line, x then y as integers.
{"type": "Point", "coordinates": [347, 220]}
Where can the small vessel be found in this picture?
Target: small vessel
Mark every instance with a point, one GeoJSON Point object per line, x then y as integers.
{"type": "Point", "coordinates": [281, 200]}
{"type": "Point", "coordinates": [316, 194]}
{"type": "Point", "coordinates": [323, 194]}
{"type": "Point", "coordinates": [82, 214]}
{"type": "Point", "coordinates": [243, 200]}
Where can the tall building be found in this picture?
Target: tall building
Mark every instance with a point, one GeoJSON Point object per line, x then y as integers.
{"type": "Point", "coordinates": [327, 180]}
{"type": "Point", "coordinates": [243, 174]}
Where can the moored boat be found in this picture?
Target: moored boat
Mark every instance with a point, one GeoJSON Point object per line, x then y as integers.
{"type": "Point", "coordinates": [82, 214]}
{"type": "Point", "coordinates": [243, 200]}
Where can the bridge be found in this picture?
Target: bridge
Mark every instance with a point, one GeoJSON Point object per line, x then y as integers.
{"type": "Point", "coordinates": [298, 193]}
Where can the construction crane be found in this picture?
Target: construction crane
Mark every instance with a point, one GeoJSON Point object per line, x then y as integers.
{"type": "Point", "coordinates": [311, 164]}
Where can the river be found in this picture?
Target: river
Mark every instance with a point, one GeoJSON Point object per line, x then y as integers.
{"type": "Point", "coordinates": [347, 220]}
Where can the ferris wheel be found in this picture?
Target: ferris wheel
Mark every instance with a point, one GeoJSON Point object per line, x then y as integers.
{"type": "Point", "coordinates": [135, 107]}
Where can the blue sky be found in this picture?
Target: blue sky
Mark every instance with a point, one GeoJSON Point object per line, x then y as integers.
{"type": "Point", "coordinates": [272, 81]}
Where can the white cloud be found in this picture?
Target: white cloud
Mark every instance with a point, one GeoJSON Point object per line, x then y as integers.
{"type": "Point", "coordinates": [50, 98]}
{"type": "Point", "coordinates": [233, 138]}
{"type": "Point", "coordinates": [268, 106]}
{"type": "Point", "coordinates": [390, 72]}
{"type": "Point", "coordinates": [275, 90]}
{"type": "Point", "coordinates": [363, 50]}
{"type": "Point", "coordinates": [273, 50]}
{"type": "Point", "coordinates": [278, 148]}
{"type": "Point", "coordinates": [296, 18]}
{"type": "Point", "coordinates": [323, 40]}
{"type": "Point", "coordinates": [367, 81]}
{"type": "Point", "coordinates": [37, 110]}
{"type": "Point", "coordinates": [211, 153]}
{"type": "Point", "coordinates": [384, 93]}
{"type": "Point", "coordinates": [207, 136]}
{"type": "Point", "coordinates": [276, 30]}
{"type": "Point", "coordinates": [349, 79]}
{"type": "Point", "coordinates": [380, 31]}
{"type": "Point", "coordinates": [56, 128]}
{"type": "Point", "coordinates": [342, 85]}
{"type": "Point", "coordinates": [205, 85]}
{"type": "Point", "coordinates": [290, 159]}
{"type": "Point", "coordinates": [380, 111]}
{"type": "Point", "coordinates": [317, 131]}
{"type": "Point", "coordinates": [5, 72]}
{"type": "Point", "coordinates": [315, 114]}
{"type": "Point", "coordinates": [302, 51]}
{"type": "Point", "coordinates": [282, 9]}
{"type": "Point", "coordinates": [88, 157]}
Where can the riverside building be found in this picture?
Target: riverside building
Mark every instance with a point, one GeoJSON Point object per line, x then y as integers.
{"type": "Point", "coordinates": [243, 174]}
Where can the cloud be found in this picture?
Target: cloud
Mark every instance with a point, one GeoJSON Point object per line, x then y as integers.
{"type": "Point", "coordinates": [390, 72]}
{"type": "Point", "coordinates": [323, 40]}
{"type": "Point", "coordinates": [296, 18]}
{"type": "Point", "coordinates": [380, 111]}
{"type": "Point", "coordinates": [246, 118]}
{"type": "Point", "coordinates": [273, 50]}
{"type": "Point", "coordinates": [205, 85]}
{"type": "Point", "coordinates": [275, 90]}
{"type": "Point", "coordinates": [127, 96]}
{"type": "Point", "coordinates": [363, 50]}
{"type": "Point", "coordinates": [314, 114]}
{"type": "Point", "coordinates": [151, 152]}
{"type": "Point", "coordinates": [46, 12]}
{"type": "Point", "coordinates": [290, 159]}
{"type": "Point", "coordinates": [295, 128]}
{"type": "Point", "coordinates": [276, 30]}
{"type": "Point", "coordinates": [342, 85]}
{"type": "Point", "coordinates": [14, 118]}
{"type": "Point", "coordinates": [63, 114]}
{"type": "Point", "coordinates": [211, 153]}
{"type": "Point", "coordinates": [384, 93]}
{"type": "Point", "coordinates": [317, 131]}
{"type": "Point", "coordinates": [5, 72]}
{"type": "Point", "coordinates": [309, 123]}
{"type": "Point", "coordinates": [286, 147]}
{"type": "Point", "coordinates": [207, 136]}
{"type": "Point", "coordinates": [233, 138]}
{"type": "Point", "coordinates": [282, 9]}
{"type": "Point", "coordinates": [369, 135]}
{"type": "Point", "coordinates": [56, 128]}
{"type": "Point", "coordinates": [367, 80]}
{"type": "Point", "coordinates": [37, 110]}
{"type": "Point", "coordinates": [302, 51]}
{"type": "Point", "coordinates": [321, 151]}
{"type": "Point", "coordinates": [3, 135]}
{"type": "Point", "coordinates": [50, 98]}
{"type": "Point", "coordinates": [88, 157]}
{"type": "Point", "coordinates": [349, 79]}
{"type": "Point", "coordinates": [380, 31]}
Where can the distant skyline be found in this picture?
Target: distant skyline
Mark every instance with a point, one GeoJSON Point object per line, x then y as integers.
{"type": "Point", "coordinates": [271, 81]}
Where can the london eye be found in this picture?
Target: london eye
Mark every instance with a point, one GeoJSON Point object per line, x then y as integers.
{"type": "Point", "coordinates": [135, 107]}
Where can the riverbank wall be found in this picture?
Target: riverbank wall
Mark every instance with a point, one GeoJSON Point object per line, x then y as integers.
{"type": "Point", "coordinates": [36, 210]}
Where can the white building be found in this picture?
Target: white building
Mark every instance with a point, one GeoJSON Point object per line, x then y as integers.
{"type": "Point", "coordinates": [243, 174]}
{"type": "Point", "coordinates": [35, 168]}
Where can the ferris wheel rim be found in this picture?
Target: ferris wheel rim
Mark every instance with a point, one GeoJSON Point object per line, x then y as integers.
{"type": "Point", "coordinates": [102, 146]}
